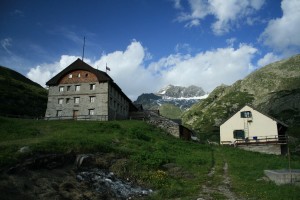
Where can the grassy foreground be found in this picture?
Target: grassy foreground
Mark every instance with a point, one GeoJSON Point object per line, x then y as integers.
{"type": "Point", "coordinates": [147, 151]}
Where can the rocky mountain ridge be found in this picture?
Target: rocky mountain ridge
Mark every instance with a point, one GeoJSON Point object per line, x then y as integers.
{"type": "Point", "coordinates": [273, 89]}
{"type": "Point", "coordinates": [172, 100]}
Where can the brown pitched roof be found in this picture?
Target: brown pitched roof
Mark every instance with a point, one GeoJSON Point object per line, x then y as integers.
{"type": "Point", "coordinates": [79, 65]}
{"type": "Point", "coordinates": [101, 76]}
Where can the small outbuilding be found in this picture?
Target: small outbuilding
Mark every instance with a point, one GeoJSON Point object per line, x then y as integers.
{"type": "Point", "coordinates": [253, 130]}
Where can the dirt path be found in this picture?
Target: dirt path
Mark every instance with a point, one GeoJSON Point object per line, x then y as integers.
{"type": "Point", "coordinates": [218, 185]}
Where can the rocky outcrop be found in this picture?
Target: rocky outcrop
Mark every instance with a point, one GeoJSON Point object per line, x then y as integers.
{"type": "Point", "coordinates": [69, 176]}
{"type": "Point", "coordinates": [164, 123]}
{"type": "Point", "coordinates": [107, 183]}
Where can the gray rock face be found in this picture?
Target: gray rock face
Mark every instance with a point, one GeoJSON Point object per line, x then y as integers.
{"type": "Point", "coordinates": [181, 97]}
{"type": "Point", "coordinates": [179, 91]}
{"type": "Point", "coordinates": [106, 182]}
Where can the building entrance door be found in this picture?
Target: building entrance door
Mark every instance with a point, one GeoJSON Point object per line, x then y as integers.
{"type": "Point", "coordinates": [75, 114]}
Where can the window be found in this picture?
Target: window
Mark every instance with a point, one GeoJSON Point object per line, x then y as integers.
{"type": "Point", "coordinates": [76, 100]}
{"type": "Point", "coordinates": [60, 101]}
{"type": "Point", "coordinates": [68, 88]}
{"type": "Point", "coordinates": [61, 88]}
{"type": "Point", "coordinates": [246, 114]}
{"type": "Point", "coordinates": [239, 134]}
{"type": "Point", "coordinates": [58, 113]}
{"type": "Point", "coordinates": [77, 87]}
{"type": "Point", "coordinates": [91, 111]}
{"type": "Point", "coordinates": [92, 86]}
{"type": "Point", "coordinates": [70, 75]}
{"type": "Point", "coordinates": [92, 99]}
{"type": "Point", "coordinates": [86, 75]}
{"type": "Point", "coordinates": [67, 100]}
{"type": "Point", "coordinates": [78, 75]}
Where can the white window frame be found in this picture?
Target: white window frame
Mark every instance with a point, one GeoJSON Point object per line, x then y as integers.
{"type": "Point", "coordinates": [91, 111]}
{"type": "Point", "coordinates": [77, 88]}
{"type": "Point", "coordinates": [58, 113]}
{"type": "Point", "coordinates": [76, 100]}
{"type": "Point", "coordinates": [92, 86]}
{"type": "Point", "coordinates": [92, 99]}
{"type": "Point", "coordinates": [70, 75]}
{"type": "Point", "coordinates": [61, 88]}
{"type": "Point", "coordinates": [60, 100]}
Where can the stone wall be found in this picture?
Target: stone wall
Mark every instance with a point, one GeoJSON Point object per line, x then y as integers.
{"type": "Point", "coordinates": [164, 123]}
{"type": "Point", "coordinates": [68, 104]}
{"type": "Point", "coordinates": [264, 148]}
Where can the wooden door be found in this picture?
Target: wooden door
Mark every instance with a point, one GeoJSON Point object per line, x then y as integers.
{"type": "Point", "coordinates": [75, 114]}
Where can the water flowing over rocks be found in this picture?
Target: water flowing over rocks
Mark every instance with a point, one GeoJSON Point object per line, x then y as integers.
{"type": "Point", "coordinates": [69, 177]}
{"type": "Point", "coordinates": [106, 182]}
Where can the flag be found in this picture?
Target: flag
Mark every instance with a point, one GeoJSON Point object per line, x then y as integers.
{"type": "Point", "coordinates": [107, 68]}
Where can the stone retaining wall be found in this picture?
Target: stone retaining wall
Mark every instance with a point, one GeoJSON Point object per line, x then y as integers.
{"type": "Point", "coordinates": [164, 123]}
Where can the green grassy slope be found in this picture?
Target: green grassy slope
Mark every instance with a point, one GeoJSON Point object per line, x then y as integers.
{"type": "Point", "coordinates": [273, 89]}
{"type": "Point", "coordinates": [21, 96]}
{"type": "Point", "coordinates": [147, 150]}
{"type": "Point", "coordinates": [170, 111]}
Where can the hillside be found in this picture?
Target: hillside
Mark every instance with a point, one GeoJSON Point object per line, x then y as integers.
{"type": "Point", "coordinates": [20, 95]}
{"type": "Point", "coordinates": [273, 89]}
{"type": "Point", "coordinates": [172, 100]}
{"type": "Point", "coordinates": [40, 155]}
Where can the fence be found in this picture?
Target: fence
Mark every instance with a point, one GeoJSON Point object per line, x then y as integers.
{"type": "Point", "coordinates": [273, 139]}
{"type": "Point", "coordinates": [80, 117]}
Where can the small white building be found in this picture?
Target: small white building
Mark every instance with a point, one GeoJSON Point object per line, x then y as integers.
{"type": "Point", "coordinates": [252, 130]}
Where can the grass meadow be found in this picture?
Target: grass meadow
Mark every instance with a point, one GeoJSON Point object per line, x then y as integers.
{"type": "Point", "coordinates": [149, 151]}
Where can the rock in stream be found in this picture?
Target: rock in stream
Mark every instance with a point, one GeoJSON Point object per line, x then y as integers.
{"type": "Point", "coordinates": [106, 182]}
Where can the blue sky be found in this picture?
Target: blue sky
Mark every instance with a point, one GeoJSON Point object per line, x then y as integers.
{"type": "Point", "coordinates": [149, 44]}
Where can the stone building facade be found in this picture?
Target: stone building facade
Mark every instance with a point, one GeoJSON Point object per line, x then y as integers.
{"type": "Point", "coordinates": [83, 92]}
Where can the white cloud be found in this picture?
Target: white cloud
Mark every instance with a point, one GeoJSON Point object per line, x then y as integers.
{"type": "Point", "coordinates": [227, 13]}
{"type": "Point", "coordinates": [282, 34]}
{"type": "Point", "coordinates": [42, 73]}
{"type": "Point", "coordinates": [206, 69]}
{"type": "Point", "coordinates": [177, 4]}
{"type": "Point", "coordinates": [267, 59]}
{"type": "Point", "coordinates": [6, 43]}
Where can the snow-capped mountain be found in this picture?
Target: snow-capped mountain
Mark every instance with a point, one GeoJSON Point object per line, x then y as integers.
{"type": "Point", "coordinates": [181, 92]}
{"type": "Point", "coordinates": [178, 96]}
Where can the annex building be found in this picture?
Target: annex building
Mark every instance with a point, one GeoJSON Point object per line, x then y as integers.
{"type": "Point", "coordinates": [253, 130]}
{"type": "Point", "coordinates": [85, 93]}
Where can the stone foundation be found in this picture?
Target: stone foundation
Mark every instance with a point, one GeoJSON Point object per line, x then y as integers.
{"type": "Point", "coordinates": [263, 148]}
{"type": "Point", "coordinates": [284, 176]}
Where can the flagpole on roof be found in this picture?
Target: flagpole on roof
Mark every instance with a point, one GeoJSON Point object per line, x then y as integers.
{"type": "Point", "coordinates": [83, 48]}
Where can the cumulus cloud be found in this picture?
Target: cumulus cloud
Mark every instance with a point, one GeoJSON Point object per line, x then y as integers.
{"type": "Point", "coordinates": [226, 13]}
{"type": "Point", "coordinates": [267, 59]}
{"type": "Point", "coordinates": [282, 34]}
{"type": "Point", "coordinates": [42, 73]}
{"type": "Point", "coordinates": [206, 69]}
